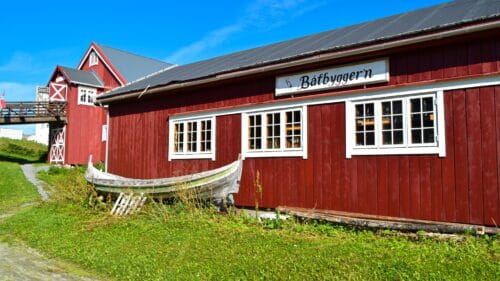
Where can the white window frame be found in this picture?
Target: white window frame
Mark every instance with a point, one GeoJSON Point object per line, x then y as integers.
{"type": "Point", "coordinates": [93, 59]}
{"type": "Point", "coordinates": [198, 154]}
{"type": "Point", "coordinates": [282, 151]}
{"type": "Point", "coordinates": [88, 92]}
{"type": "Point", "coordinates": [104, 133]}
{"type": "Point", "coordinates": [438, 147]}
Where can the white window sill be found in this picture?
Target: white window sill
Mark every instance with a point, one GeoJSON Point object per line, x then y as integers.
{"type": "Point", "coordinates": [193, 156]}
{"type": "Point", "coordinates": [259, 154]}
{"type": "Point", "coordinates": [396, 151]}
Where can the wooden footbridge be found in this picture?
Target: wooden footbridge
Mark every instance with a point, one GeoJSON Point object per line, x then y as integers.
{"type": "Point", "coordinates": [33, 112]}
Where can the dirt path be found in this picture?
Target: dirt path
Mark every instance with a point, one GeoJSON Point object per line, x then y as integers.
{"type": "Point", "coordinates": [30, 172]}
{"type": "Point", "coordinates": [23, 263]}
{"type": "Point", "coordinates": [20, 263]}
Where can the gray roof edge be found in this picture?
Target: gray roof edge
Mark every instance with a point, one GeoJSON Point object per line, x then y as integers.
{"type": "Point", "coordinates": [380, 40]}
{"type": "Point", "coordinates": [76, 81]}
{"type": "Point", "coordinates": [132, 54]}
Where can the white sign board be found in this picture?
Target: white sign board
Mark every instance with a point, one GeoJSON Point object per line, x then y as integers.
{"type": "Point", "coordinates": [335, 77]}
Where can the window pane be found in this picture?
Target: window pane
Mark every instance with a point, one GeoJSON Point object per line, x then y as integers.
{"type": "Point", "coordinates": [416, 121]}
{"type": "Point", "coordinates": [370, 138]}
{"type": "Point", "coordinates": [386, 123]}
{"type": "Point", "coordinates": [359, 110]}
{"type": "Point", "coordinates": [369, 109]}
{"type": "Point", "coordinates": [387, 137]}
{"type": "Point", "coordinates": [398, 122]}
{"type": "Point", "coordinates": [398, 137]}
{"type": "Point", "coordinates": [416, 136]}
{"type": "Point", "coordinates": [415, 105]}
{"type": "Point", "coordinates": [397, 107]}
{"type": "Point", "coordinates": [386, 108]}
{"type": "Point", "coordinates": [428, 119]}
{"type": "Point", "coordinates": [428, 135]}
{"type": "Point", "coordinates": [360, 139]}
{"type": "Point", "coordinates": [427, 104]}
{"type": "Point", "coordinates": [369, 124]}
{"type": "Point", "coordinates": [293, 129]}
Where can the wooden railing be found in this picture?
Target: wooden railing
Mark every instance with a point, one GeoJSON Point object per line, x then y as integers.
{"type": "Point", "coordinates": [33, 112]}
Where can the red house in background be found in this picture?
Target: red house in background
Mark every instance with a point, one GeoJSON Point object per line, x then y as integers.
{"type": "Point", "coordinates": [101, 69]}
{"type": "Point", "coordinates": [395, 117]}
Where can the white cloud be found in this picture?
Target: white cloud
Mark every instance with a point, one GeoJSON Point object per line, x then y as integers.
{"type": "Point", "coordinates": [262, 15]}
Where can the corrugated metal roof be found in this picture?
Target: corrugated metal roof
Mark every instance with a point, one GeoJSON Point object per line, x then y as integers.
{"type": "Point", "coordinates": [410, 23]}
{"type": "Point", "coordinates": [132, 66]}
{"type": "Point", "coordinates": [83, 77]}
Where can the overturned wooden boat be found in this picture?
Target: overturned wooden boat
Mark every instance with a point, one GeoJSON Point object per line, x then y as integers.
{"type": "Point", "coordinates": [215, 184]}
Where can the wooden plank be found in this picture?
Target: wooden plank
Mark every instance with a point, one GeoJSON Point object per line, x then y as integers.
{"type": "Point", "coordinates": [393, 185]}
{"type": "Point", "coordinates": [490, 55]}
{"type": "Point", "coordinates": [474, 58]}
{"type": "Point", "coordinates": [363, 198]}
{"type": "Point", "coordinates": [382, 186]}
{"type": "Point", "coordinates": [497, 114]}
{"type": "Point", "coordinates": [437, 64]}
{"type": "Point", "coordinates": [461, 160]}
{"type": "Point", "coordinates": [462, 59]}
{"type": "Point", "coordinates": [326, 163]}
{"type": "Point", "coordinates": [490, 153]}
{"type": "Point", "coordinates": [383, 222]}
{"type": "Point", "coordinates": [474, 153]}
{"type": "Point", "coordinates": [337, 122]}
{"type": "Point", "coordinates": [415, 193]}
{"type": "Point", "coordinates": [437, 205]}
{"type": "Point", "coordinates": [371, 179]}
{"type": "Point", "coordinates": [426, 206]}
{"type": "Point", "coordinates": [448, 162]}
{"type": "Point", "coordinates": [404, 187]}
{"type": "Point", "coordinates": [317, 154]}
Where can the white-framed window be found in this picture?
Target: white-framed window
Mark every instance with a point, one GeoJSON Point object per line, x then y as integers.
{"type": "Point", "coordinates": [410, 124]}
{"type": "Point", "coordinates": [86, 95]}
{"type": "Point", "coordinates": [104, 136]}
{"type": "Point", "coordinates": [192, 138]}
{"type": "Point", "coordinates": [93, 59]}
{"type": "Point", "coordinates": [275, 133]}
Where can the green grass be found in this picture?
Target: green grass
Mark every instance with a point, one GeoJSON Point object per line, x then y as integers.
{"type": "Point", "coordinates": [179, 242]}
{"type": "Point", "coordinates": [200, 245]}
{"type": "Point", "coordinates": [22, 151]}
{"type": "Point", "coordinates": [15, 190]}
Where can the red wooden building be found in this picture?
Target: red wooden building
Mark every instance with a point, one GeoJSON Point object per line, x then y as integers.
{"type": "Point", "coordinates": [101, 69]}
{"type": "Point", "coordinates": [396, 117]}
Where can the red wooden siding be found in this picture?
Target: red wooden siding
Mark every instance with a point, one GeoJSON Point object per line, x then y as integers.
{"type": "Point", "coordinates": [83, 131]}
{"type": "Point", "coordinates": [461, 187]}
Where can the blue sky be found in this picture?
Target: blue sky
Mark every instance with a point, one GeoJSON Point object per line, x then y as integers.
{"type": "Point", "coordinates": [38, 35]}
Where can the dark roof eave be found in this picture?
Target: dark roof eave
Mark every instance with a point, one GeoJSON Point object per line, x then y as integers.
{"type": "Point", "coordinates": [319, 55]}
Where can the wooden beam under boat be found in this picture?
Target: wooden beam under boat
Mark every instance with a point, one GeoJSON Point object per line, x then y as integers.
{"type": "Point", "coordinates": [216, 184]}
{"type": "Point", "coordinates": [384, 222]}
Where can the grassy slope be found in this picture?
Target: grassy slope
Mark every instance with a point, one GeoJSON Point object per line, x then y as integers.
{"type": "Point", "coordinates": [22, 151]}
{"type": "Point", "coordinates": [201, 245]}
{"type": "Point", "coordinates": [14, 188]}
{"type": "Point", "coordinates": [172, 243]}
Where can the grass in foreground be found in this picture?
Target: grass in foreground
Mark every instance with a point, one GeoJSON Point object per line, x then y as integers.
{"type": "Point", "coordinates": [182, 243]}
{"type": "Point", "coordinates": [15, 190]}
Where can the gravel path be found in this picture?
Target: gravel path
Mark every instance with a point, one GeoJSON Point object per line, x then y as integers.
{"type": "Point", "coordinates": [20, 263]}
{"type": "Point", "coordinates": [26, 264]}
{"type": "Point", "coordinates": [30, 172]}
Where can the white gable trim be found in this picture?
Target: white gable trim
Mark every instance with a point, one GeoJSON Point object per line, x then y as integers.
{"type": "Point", "coordinates": [87, 54]}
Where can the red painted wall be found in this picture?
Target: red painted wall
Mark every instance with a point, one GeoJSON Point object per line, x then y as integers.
{"type": "Point", "coordinates": [462, 187]}
{"type": "Point", "coordinates": [83, 131]}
